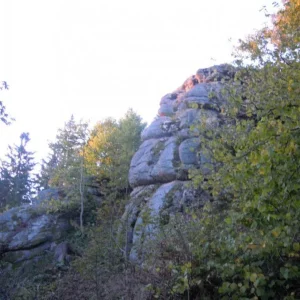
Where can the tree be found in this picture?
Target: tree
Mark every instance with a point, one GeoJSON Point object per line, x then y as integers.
{"type": "Point", "coordinates": [65, 167]}
{"type": "Point", "coordinates": [62, 169]}
{"type": "Point", "coordinates": [5, 187]}
{"type": "Point", "coordinates": [285, 31]}
{"type": "Point", "coordinates": [15, 175]}
{"type": "Point", "coordinates": [127, 140]}
{"type": "Point", "coordinates": [255, 159]}
{"type": "Point", "coordinates": [111, 147]}
{"type": "Point", "coordinates": [4, 117]}
{"type": "Point", "coordinates": [107, 156]}
{"type": "Point", "coordinates": [245, 244]}
{"type": "Point", "coordinates": [47, 170]}
{"type": "Point", "coordinates": [99, 149]}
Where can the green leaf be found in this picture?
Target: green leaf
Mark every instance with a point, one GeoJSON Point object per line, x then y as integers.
{"type": "Point", "coordinates": [284, 272]}
{"type": "Point", "coordinates": [253, 277]}
{"type": "Point", "coordinates": [296, 246]}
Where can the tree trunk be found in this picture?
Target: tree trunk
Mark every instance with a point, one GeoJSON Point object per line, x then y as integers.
{"type": "Point", "coordinates": [81, 194]}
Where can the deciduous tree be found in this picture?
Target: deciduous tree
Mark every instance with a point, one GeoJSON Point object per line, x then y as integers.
{"type": "Point", "coordinates": [62, 169]}
{"type": "Point", "coordinates": [254, 170]}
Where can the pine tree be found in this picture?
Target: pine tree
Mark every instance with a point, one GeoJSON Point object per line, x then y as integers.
{"type": "Point", "coordinates": [15, 175]}
{"type": "Point", "coordinates": [5, 187]}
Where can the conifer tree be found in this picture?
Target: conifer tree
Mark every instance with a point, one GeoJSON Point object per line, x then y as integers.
{"type": "Point", "coordinates": [15, 175]}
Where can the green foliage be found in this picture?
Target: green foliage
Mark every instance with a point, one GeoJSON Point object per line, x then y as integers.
{"type": "Point", "coordinates": [99, 149]}
{"type": "Point", "coordinates": [110, 149]}
{"type": "Point", "coordinates": [106, 155]}
{"type": "Point", "coordinates": [106, 158]}
{"type": "Point", "coordinates": [127, 140]}
{"type": "Point", "coordinates": [103, 258]}
{"type": "Point", "coordinates": [62, 169]}
{"type": "Point", "coordinates": [16, 183]}
{"type": "Point", "coordinates": [102, 271]}
{"type": "Point", "coordinates": [246, 243]}
{"type": "Point", "coordinates": [253, 245]}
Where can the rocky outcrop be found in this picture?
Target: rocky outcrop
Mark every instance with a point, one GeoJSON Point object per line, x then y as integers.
{"type": "Point", "coordinates": [28, 232]}
{"type": "Point", "coordinates": [35, 240]}
{"type": "Point", "coordinates": [171, 146]}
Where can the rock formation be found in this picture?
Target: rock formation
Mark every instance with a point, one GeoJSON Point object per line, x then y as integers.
{"type": "Point", "coordinates": [34, 238]}
{"type": "Point", "coordinates": [28, 231]}
{"type": "Point", "coordinates": [170, 148]}
{"type": "Point", "coordinates": [25, 234]}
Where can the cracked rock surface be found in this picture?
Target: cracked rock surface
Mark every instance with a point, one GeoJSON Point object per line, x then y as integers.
{"type": "Point", "coordinates": [171, 147]}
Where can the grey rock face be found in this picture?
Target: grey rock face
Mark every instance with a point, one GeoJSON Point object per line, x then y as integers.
{"type": "Point", "coordinates": [164, 169]}
{"type": "Point", "coordinates": [188, 151]}
{"type": "Point", "coordinates": [143, 161]}
{"type": "Point", "coordinates": [166, 109]}
{"type": "Point", "coordinates": [157, 129]}
{"type": "Point", "coordinates": [191, 118]}
{"type": "Point", "coordinates": [26, 230]}
{"type": "Point", "coordinates": [199, 91]}
{"type": "Point", "coordinates": [169, 98]}
{"type": "Point", "coordinates": [217, 73]}
{"type": "Point", "coordinates": [171, 147]}
{"type": "Point", "coordinates": [188, 117]}
{"type": "Point", "coordinates": [48, 194]}
{"type": "Point", "coordinates": [25, 255]}
{"type": "Point", "coordinates": [153, 162]}
{"type": "Point", "coordinates": [163, 197]}
{"type": "Point", "coordinates": [168, 199]}
{"type": "Point", "coordinates": [38, 231]}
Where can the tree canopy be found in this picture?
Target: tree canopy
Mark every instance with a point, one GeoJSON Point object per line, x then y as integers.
{"type": "Point", "coordinates": [111, 146]}
{"type": "Point", "coordinates": [254, 166]}
{"type": "Point", "coordinates": [16, 181]}
{"type": "Point", "coordinates": [63, 164]}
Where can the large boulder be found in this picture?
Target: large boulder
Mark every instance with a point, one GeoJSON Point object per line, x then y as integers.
{"type": "Point", "coordinates": [188, 151]}
{"type": "Point", "coordinates": [48, 194]}
{"type": "Point", "coordinates": [31, 230]}
{"type": "Point", "coordinates": [154, 162]}
{"type": "Point", "coordinates": [157, 129]}
{"type": "Point", "coordinates": [35, 240]}
{"type": "Point", "coordinates": [164, 169]}
{"type": "Point", "coordinates": [171, 148]}
{"type": "Point", "coordinates": [162, 202]}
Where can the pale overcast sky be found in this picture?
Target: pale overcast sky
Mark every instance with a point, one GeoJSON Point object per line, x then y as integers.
{"type": "Point", "coordinates": [97, 58]}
